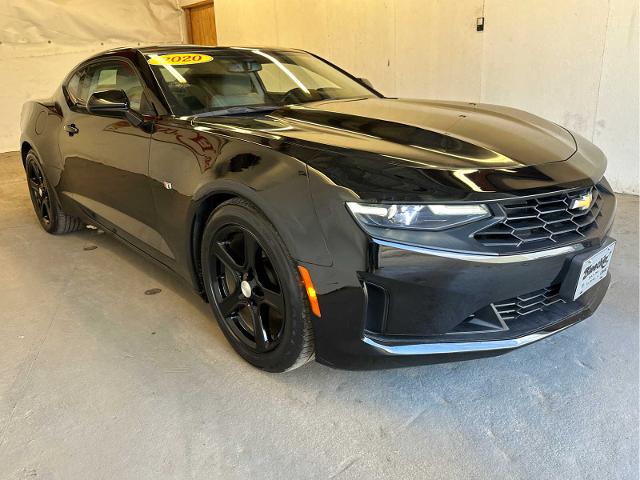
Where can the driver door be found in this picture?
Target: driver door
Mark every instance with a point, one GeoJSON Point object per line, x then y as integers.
{"type": "Point", "coordinates": [106, 159]}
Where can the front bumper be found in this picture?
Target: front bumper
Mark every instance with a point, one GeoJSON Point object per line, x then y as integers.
{"type": "Point", "coordinates": [487, 346]}
{"type": "Point", "coordinates": [409, 307]}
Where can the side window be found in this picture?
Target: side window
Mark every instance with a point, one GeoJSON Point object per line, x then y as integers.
{"type": "Point", "coordinates": [119, 76]}
{"type": "Point", "coordinates": [78, 86]}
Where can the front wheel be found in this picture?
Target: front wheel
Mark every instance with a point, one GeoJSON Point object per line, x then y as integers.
{"type": "Point", "coordinates": [254, 289]}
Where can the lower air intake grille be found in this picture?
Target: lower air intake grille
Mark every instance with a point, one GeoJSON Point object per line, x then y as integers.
{"type": "Point", "coordinates": [528, 303]}
{"type": "Point", "coordinates": [544, 220]}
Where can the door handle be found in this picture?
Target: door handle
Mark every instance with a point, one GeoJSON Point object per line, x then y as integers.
{"type": "Point", "coordinates": [71, 129]}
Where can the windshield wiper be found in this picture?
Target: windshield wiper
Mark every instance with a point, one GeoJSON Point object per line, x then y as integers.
{"type": "Point", "coordinates": [238, 110]}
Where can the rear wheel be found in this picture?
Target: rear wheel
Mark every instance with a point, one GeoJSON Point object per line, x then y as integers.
{"type": "Point", "coordinates": [254, 289]}
{"type": "Point", "coordinates": [45, 204]}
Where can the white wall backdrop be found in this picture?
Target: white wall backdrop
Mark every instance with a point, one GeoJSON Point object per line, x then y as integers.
{"type": "Point", "coordinates": [41, 40]}
{"type": "Point", "coordinates": [572, 61]}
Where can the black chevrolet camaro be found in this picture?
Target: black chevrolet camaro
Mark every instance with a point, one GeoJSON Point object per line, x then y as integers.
{"type": "Point", "coordinates": [320, 218]}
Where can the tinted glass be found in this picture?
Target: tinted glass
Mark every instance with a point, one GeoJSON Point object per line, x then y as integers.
{"type": "Point", "coordinates": [117, 76]}
{"type": "Point", "coordinates": [78, 86]}
{"type": "Point", "coordinates": [244, 77]}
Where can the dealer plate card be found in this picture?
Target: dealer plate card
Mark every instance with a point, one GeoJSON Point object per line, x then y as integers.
{"type": "Point", "coordinates": [594, 269]}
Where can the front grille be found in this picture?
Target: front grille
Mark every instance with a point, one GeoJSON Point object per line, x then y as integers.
{"type": "Point", "coordinates": [528, 303]}
{"type": "Point", "coordinates": [542, 221]}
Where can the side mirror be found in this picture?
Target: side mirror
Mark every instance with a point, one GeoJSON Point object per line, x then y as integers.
{"type": "Point", "coordinates": [113, 102]}
{"type": "Point", "coordinates": [110, 102]}
{"type": "Point", "coordinates": [366, 82]}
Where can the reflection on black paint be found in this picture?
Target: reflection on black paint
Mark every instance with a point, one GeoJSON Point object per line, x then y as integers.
{"type": "Point", "coordinates": [399, 133]}
{"type": "Point", "coordinates": [200, 145]}
{"type": "Point", "coordinates": [243, 162]}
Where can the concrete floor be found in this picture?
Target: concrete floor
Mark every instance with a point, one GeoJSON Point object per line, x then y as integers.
{"type": "Point", "coordinates": [100, 381]}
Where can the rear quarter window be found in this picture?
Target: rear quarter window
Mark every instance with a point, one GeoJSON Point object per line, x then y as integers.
{"type": "Point", "coordinates": [78, 87]}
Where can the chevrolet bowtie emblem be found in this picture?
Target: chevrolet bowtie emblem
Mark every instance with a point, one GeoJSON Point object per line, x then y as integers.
{"type": "Point", "coordinates": [581, 203]}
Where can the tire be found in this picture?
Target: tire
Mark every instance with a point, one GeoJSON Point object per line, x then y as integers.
{"type": "Point", "coordinates": [44, 200]}
{"type": "Point", "coordinates": [269, 322]}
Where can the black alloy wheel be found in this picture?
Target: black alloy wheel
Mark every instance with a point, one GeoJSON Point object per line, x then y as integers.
{"type": "Point", "coordinates": [48, 210]}
{"type": "Point", "coordinates": [254, 288]}
{"type": "Point", "coordinates": [247, 289]}
{"type": "Point", "coordinates": [39, 192]}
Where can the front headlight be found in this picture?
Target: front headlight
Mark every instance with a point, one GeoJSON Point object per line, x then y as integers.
{"type": "Point", "coordinates": [417, 217]}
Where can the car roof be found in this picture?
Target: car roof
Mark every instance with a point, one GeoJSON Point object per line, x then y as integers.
{"type": "Point", "coordinates": [197, 48]}
{"type": "Point", "coordinates": [162, 49]}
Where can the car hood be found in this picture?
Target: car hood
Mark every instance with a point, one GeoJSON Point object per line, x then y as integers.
{"type": "Point", "coordinates": [433, 134]}
{"type": "Point", "coordinates": [408, 150]}
{"type": "Point", "coordinates": [418, 133]}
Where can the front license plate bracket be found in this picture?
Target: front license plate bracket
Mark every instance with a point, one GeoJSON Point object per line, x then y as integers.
{"type": "Point", "coordinates": [576, 282]}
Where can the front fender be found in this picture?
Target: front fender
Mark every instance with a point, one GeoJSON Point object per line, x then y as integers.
{"type": "Point", "coordinates": [288, 207]}
{"type": "Point", "coordinates": [189, 166]}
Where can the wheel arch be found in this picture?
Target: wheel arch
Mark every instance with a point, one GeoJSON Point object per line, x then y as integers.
{"type": "Point", "coordinates": [211, 197]}
{"type": "Point", "coordinates": [24, 149]}
{"type": "Point", "coordinates": [201, 214]}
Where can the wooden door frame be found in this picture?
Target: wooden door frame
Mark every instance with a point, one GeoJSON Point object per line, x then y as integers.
{"type": "Point", "coordinates": [187, 15]}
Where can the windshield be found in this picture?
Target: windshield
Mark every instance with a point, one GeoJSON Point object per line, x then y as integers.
{"type": "Point", "coordinates": [214, 81]}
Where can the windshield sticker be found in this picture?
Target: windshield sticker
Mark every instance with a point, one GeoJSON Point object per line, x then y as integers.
{"type": "Point", "coordinates": [180, 59]}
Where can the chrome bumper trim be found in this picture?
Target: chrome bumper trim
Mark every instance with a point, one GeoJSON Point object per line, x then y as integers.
{"type": "Point", "coordinates": [441, 348]}
{"type": "Point", "coordinates": [482, 258]}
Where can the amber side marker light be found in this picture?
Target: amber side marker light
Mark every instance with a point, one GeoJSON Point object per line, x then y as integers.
{"type": "Point", "coordinates": [311, 292]}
